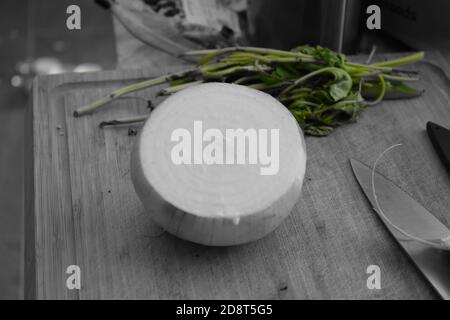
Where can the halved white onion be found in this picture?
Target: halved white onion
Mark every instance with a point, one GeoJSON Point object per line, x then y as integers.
{"type": "Point", "coordinates": [219, 204]}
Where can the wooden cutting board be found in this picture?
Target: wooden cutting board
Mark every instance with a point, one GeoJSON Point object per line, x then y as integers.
{"type": "Point", "coordinates": [81, 208]}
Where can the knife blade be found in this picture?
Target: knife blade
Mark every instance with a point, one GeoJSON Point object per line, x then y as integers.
{"type": "Point", "coordinates": [412, 217]}
{"type": "Point", "coordinates": [440, 138]}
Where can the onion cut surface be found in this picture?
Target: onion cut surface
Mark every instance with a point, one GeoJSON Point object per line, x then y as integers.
{"type": "Point", "coordinates": [219, 204]}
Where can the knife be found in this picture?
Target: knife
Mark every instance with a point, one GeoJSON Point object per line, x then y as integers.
{"type": "Point", "coordinates": [407, 214]}
{"type": "Point", "coordinates": [440, 138]}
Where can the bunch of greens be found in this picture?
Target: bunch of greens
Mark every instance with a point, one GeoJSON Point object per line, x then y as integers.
{"type": "Point", "coordinates": [320, 87]}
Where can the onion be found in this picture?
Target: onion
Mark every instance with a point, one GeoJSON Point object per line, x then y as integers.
{"type": "Point", "coordinates": [207, 202]}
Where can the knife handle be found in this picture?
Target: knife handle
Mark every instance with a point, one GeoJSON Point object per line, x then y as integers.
{"type": "Point", "coordinates": [440, 138]}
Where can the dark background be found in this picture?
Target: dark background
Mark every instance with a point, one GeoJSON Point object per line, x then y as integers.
{"type": "Point", "coordinates": [30, 29]}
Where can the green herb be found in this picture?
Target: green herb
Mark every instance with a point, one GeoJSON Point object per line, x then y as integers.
{"type": "Point", "coordinates": [320, 87]}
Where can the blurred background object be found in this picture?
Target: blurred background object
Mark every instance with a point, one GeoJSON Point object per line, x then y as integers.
{"type": "Point", "coordinates": [285, 24]}
{"type": "Point", "coordinates": [282, 24]}
{"type": "Point", "coordinates": [34, 40]}
{"type": "Point", "coordinates": [176, 25]}
{"type": "Point", "coordinates": [421, 24]}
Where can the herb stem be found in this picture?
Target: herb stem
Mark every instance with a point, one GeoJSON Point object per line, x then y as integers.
{"type": "Point", "coordinates": [245, 49]}
{"type": "Point", "coordinates": [128, 89]}
{"type": "Point", "coordinates": [382, 92]}
{"type": "Point", "coordinates": [123, 121]}
{"type": "Point", "coordinates": [306, 77]}
{"type": "Point", "coordinates": [401, 61]}
{"type": "Point", "coordinates": [171, 90]}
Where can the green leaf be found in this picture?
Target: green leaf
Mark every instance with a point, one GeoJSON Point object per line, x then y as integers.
{"type": "Point", "coordinates": [325, 55]}
{"type": "Point", "coordinates": [284, 72]}
{"type": "Point", "coordinates": [342, 85]}
{"type": "Point", "coordinates": [322, 95]}
{"type": "Point", "coordinates": [319, 131]}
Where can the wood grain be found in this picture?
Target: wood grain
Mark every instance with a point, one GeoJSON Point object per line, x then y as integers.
{"type": "Point", "coordinates": [82, 209]}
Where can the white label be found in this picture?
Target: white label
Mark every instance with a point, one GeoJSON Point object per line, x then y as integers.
{"type": "Point", "coordinates": [210, 13]}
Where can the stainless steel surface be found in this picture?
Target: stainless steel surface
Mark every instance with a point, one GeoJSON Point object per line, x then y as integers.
{"type": "Point", "coordinates": [290, 23]}
{"type": "Point", "coordinates": [412, 217]}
